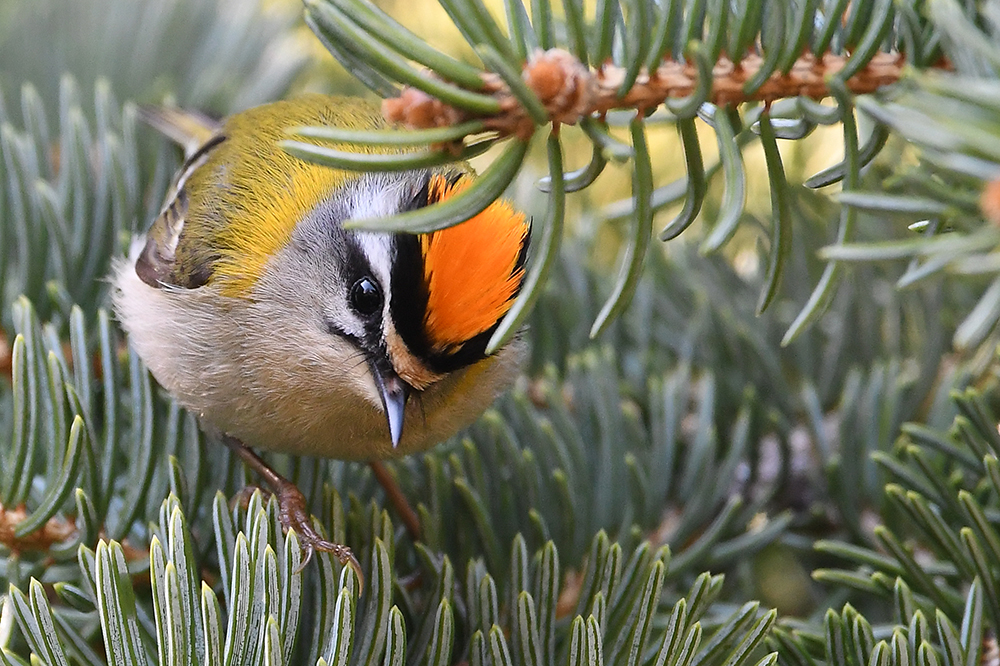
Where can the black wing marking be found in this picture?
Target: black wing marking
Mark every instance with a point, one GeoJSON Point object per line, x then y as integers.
{"type": "Point", "coordinates": [156, 265]}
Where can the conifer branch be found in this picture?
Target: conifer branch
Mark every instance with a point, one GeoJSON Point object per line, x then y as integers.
{"type": "Point", "coordinates": [571, 92]}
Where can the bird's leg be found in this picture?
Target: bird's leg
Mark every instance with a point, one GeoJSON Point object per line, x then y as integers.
{"type": "Point", "coordinates": [292, 509]}
{"type": "Point", "coordinates": [396, 497]}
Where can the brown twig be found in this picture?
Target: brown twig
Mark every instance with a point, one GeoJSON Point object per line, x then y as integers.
{"type": "Point", "coordinates": [570, 92]}
{"type": "Point", "coordinates": [397, 498]}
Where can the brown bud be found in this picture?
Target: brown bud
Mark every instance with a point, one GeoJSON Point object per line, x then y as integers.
{"type": "Point", "coordinates": [418, 110]}
{"type": "Point", "coordinates": [564, 86]}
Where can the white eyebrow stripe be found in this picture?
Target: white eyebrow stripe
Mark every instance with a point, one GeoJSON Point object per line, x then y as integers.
{"type": "Point", "coordinates": [377, 248]}
{"type": "Point", "coordinates": [375, 197]}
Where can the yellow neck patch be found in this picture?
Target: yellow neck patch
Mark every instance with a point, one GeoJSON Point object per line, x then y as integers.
{"type": "Point", "coordinates": [470, 269]}
{"type": "Point", "coordinates": [249, 196]}
{"type": "Point", "coordinates": [272, 214]}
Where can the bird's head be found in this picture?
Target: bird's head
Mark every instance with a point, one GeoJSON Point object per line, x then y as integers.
{"type": "Point", "coordinates": [416, 307]}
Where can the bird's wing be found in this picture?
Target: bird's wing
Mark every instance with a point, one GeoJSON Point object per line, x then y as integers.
{"type": "Point", "coordinates": [188, 129]}
{"type": "Point", "coordinates": [157, 265]}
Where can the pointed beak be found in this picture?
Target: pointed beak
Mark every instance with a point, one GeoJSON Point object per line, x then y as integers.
{"type": "Point", "coordinates": [394, 393]}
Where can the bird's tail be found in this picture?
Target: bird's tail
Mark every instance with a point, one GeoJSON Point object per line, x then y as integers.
{"type": "Point", "coordinates": [189, 129]}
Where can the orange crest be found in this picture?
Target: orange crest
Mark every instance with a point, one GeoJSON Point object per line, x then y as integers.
{"type": "Point", "coordinates": [471, 270]}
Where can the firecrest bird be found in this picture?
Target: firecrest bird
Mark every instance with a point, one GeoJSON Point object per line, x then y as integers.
{"type": "Point", "coordinates": [254, 306]}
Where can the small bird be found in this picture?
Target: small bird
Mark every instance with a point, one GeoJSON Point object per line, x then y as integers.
{"type": "Point", "coordinates": [280, 329]}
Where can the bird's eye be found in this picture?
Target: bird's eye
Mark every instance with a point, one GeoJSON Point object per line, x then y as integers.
{"type": "Point", "coordinates": [366, 297]}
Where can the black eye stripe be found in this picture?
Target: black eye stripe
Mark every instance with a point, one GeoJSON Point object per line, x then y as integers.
{"type": "Point", "coordinates": [408, 304]}
{"type": "Point", "coordinates": [334, 329]}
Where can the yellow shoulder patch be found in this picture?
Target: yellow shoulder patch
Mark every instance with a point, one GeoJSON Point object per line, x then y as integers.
{"type": "Point", "coordinates": [247, 199]}
{"type": "Point", "coordinates": [471, 269]}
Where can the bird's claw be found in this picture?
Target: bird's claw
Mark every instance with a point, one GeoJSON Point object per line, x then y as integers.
{"type": "Point", "coordinates": [294, 515]}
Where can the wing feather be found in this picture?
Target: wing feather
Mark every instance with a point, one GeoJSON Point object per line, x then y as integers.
{"type": "Point", "coordinates": [156, 265]}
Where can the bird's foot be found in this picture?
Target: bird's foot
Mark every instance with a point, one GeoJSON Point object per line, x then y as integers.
{"type": "Point", "coordinates": [293, 511]}
{"type": "Point", "coordinates": [294, 515]}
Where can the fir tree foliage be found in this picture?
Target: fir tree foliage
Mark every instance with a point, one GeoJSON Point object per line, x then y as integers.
{"type": "Point", "coordinates": [609, 510]}
{"type": "Point", "coordinates": [674, 62]}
